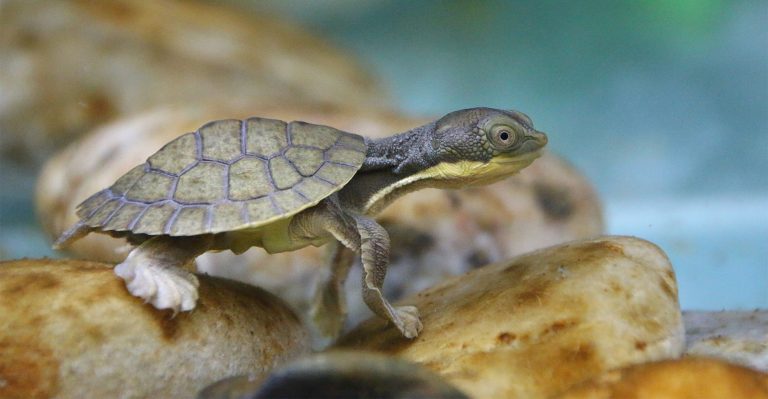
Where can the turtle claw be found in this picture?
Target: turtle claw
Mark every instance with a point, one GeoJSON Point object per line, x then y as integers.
{"type": "Point", "coordinates": [407, 321]}
{"type": "Point", "coordinates": [162, 286]}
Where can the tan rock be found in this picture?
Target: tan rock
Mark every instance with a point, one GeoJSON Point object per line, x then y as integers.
{"type": "Point", "coordinates": [70, 329]}
{"type": "Point", "coordinates": [548, 203]}
{"type": "Point", "coordinates": [736, 336]}
{"type": "Point", "coordinates": [532, 326]}
{"type": "Point", "coordinates": [692, 378]}
{"type": "Point", "coordinates": [69, 66]}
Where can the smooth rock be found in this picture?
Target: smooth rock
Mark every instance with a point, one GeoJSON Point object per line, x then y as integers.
{"type": "Point", "coordinates": [691, 378]}
{"type": "Point", "coordinates": [70, 329]}
{"type": "Point", "coordinates": [69, 66]}
{"type": "Point", "coordinates": [435, 233]}
{"type": "Point", "coordinates": [339, 374]}
{"type": "Point", "coordinates": [736, 336]}
{"type": "Point", "coordinates": [532, 326]}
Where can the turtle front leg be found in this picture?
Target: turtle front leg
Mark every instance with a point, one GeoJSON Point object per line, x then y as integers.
{"type": "Point", "coordinates": [366, 237]}
{"type": "Point", "coordinates": [154, 271]}
{"type": "Point", "coordinates": [374, 253]}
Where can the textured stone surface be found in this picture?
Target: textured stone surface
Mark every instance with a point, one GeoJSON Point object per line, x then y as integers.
{"type": "Point", "coordinates": [693, 378]}
{"type": "Point", "coordinates": [69, 66]}
{"type": "Point", "coordinates": [532, 326]}
{"type": "Point", "coordinates": [71, 329]}
{"type": "Point", "coordinates": [736, 336]}
{"type": "Point", "coordinates": [435, 233]}
{"type": "Point", "coordinates": [339, 374]}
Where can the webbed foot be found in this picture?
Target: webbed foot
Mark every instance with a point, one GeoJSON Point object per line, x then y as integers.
{"type": "Point", "coordinates": [165, 287]}
{"type": "Point", "coordinates": [153, 271]}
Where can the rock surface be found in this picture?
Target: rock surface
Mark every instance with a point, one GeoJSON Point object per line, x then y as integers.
{"type": "Point", "coordinates": [71, 329]}
{"type": "Point", "coordinates": [339, 374]}
{"type": "Point", "coordinates": [69, 66]}
{"type": "Point", "coordinates": [547, 203]}
{"type": "Point", "coordinates": [738, 337]}
{"type": "Point", "coordinates": [691, 378]}
{"type": "Point", "coordinates": [532, 326]}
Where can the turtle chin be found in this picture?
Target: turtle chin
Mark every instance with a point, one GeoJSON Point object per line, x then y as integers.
{"type": "Point", "coordinates": [501, 167]}
{"type": "Point", "coordinates": [474, 173]}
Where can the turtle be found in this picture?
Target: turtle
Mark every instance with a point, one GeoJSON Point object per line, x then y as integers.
{"type": "Point", "coordinates": [235, 184]}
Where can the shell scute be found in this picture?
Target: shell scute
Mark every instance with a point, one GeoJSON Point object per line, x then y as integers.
{"type": "Point", "coordinates": [124, 217]}
{"type": "Point", "coordinates": [155, 218]}
{"type": "Point", "coordinates": [226, 215]}
{"type": "Point", "coordinates": [260, 209]}
{"type": "Point", "coordinates": [190, 218]}
{"type": "Point", "coordinates": [249, 178]}
{"type": "Point", "coordinates": [306, 134]}
{"type": "Point", "coordinates": [103, 213]}
{"type": "Point", "coordinates": [306, 160]}
{"type": "Point", "coordinates": [151, 187]}
{"type": "Point", "coordinates": [203, 184]}
{"type": "Point", "coordinates": [176, 156]}
{"type": "Point", "coordinates": [93, 203]}
{"type": "Point", "coordinates": [265, 137]}
{"type": "Point", "coordinates": [284, 175]}
{"type": "Point", "coordinates": [221, 140]}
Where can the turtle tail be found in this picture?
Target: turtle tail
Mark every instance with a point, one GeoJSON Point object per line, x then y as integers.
{"type": "Point", "coordinates": [74, 233]}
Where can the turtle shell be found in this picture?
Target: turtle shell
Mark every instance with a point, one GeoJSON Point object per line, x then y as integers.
{"type": "Point", "coordinates": [228, 175]}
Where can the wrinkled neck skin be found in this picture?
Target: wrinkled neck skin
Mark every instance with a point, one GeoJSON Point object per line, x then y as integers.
{"type": "Point", "coordinates": [395, 166]}
{"type": "Point", "coordinates": [403, 153]}
{"type": "Point", "coordinates": [388, 161]}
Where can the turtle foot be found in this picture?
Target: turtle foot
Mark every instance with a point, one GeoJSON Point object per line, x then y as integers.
{"type": "Point", "coordinates": [407, 321]}
{"type": "Point", "coordinates": [165, 287]}
{"type": "Point", "coordinates": [328, 312]}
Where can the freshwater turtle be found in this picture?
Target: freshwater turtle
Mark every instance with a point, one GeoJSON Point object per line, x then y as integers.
{"type": "Point", "coordinates": [235, 184]}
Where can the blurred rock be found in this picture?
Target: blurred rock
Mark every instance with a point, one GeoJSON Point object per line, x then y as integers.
{"type": "Point", "coordinates": [692, 378]}
{"type": "Point", "coordinates": [547, 203]}
{"type": "Point", "coordinates": [532, 326]}
{"type": "Point", "coordinates": [736, 336]}
{"type": "Point", "coordinates": [339, 374]}
{"type": "Point", "coordinates": [70, 329]}
{"type": "Point", "coordinates": [69, 66]}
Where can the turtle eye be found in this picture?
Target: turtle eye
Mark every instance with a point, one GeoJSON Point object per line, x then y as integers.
{"type": "Point", "coordinates": [504, 137]}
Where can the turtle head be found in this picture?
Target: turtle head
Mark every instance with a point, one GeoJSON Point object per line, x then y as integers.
{"type": "Point", "coordinates": [479, 146]}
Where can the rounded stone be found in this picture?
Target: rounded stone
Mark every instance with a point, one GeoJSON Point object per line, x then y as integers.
{"type": "Point", "coordinates": [339, 374]}
{"type": "Point", "coordinates": [675, 379]}
{"type": "Point", "coordinates": [534, 325]}
{"type": "Point", "coordinates": [71, 329]}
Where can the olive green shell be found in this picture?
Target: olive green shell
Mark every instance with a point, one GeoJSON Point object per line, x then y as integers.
{"type": "Point", "coordinates": [228, 175]}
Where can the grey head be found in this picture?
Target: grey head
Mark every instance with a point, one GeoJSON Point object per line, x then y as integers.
{"type": "Point", "coordinates": [465, 147]}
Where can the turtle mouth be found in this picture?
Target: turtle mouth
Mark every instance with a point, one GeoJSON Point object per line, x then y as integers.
{"type": "Point", "coordinates": [519, 159]}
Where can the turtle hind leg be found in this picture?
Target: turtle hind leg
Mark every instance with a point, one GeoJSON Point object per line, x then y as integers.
{"type": "Point", "coordinates": [154, 271]}
{"type": "Point", "coordinates": [329, 309]}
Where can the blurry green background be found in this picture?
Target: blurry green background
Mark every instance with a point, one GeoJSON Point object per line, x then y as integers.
{"type": "Point", "coordinates": [663, 104]}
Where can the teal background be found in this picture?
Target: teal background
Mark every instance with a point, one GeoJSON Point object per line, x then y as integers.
{"type": "Point", "coordinates": [662, 104]}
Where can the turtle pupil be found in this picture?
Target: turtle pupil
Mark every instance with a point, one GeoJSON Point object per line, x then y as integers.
{"type": "Point", "coordinates": [504, 136]}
